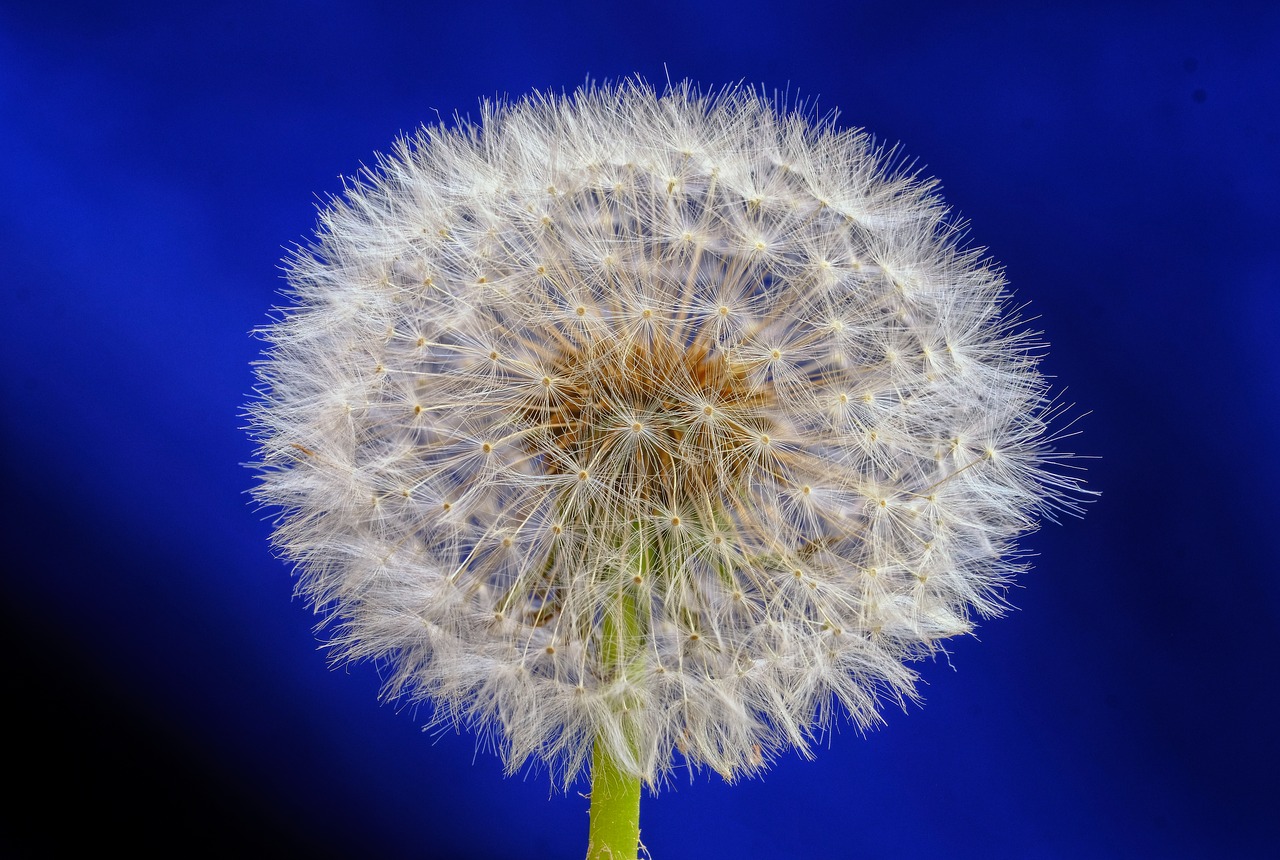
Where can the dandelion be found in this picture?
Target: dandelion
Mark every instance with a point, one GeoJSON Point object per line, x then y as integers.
{"type": "Point", "coordinates": [639, 430]}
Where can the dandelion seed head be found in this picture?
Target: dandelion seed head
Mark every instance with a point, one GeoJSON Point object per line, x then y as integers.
{"type": "Point", "coordinates": [692, 354]}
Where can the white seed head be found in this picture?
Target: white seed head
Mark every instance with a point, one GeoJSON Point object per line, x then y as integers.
{"type": "Point", "coordinates": [678, 421]}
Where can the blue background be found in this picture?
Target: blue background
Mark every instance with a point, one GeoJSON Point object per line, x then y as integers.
{"type": "Point", "coordinates": [162, 687]}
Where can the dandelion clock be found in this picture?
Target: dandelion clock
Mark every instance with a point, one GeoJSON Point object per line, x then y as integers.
{"type": "Point", "coordinates": [640, 431]}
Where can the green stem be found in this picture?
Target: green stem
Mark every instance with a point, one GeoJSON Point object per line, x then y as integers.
{"type": "Point", "coordinates": [615, 810]}
{"type": "Point", "coordinates": [615, 794]}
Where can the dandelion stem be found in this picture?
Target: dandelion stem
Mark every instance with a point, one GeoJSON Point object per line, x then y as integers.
{"type": "Point", "coordinates": [615, 809]}
{"type": "Point", "coordinates": [615, 794]}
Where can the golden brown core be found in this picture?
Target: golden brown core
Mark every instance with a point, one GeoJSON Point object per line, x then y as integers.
{"type": "Point", "coordinates": [695, 408]}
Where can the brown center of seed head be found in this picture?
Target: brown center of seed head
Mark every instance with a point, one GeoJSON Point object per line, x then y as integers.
{"type": "Point", "coordinates": [696, 411]}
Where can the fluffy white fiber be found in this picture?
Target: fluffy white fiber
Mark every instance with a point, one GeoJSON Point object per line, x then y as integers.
{"type": "Point", "coordinates": [677, 421]}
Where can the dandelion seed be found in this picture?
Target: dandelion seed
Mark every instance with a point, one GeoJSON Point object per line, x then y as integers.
{"type": "Point", "coordinates": [702, 340]}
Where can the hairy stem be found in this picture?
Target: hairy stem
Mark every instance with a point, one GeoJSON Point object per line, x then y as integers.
{"type": "Point", "coordinates": [615, 794]}
{"type": "Point", "coordinates": [615, 809]}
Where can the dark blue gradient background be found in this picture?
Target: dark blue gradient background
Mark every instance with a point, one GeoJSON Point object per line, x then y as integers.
{"type": "Point", "coordinates": [163, 691]}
